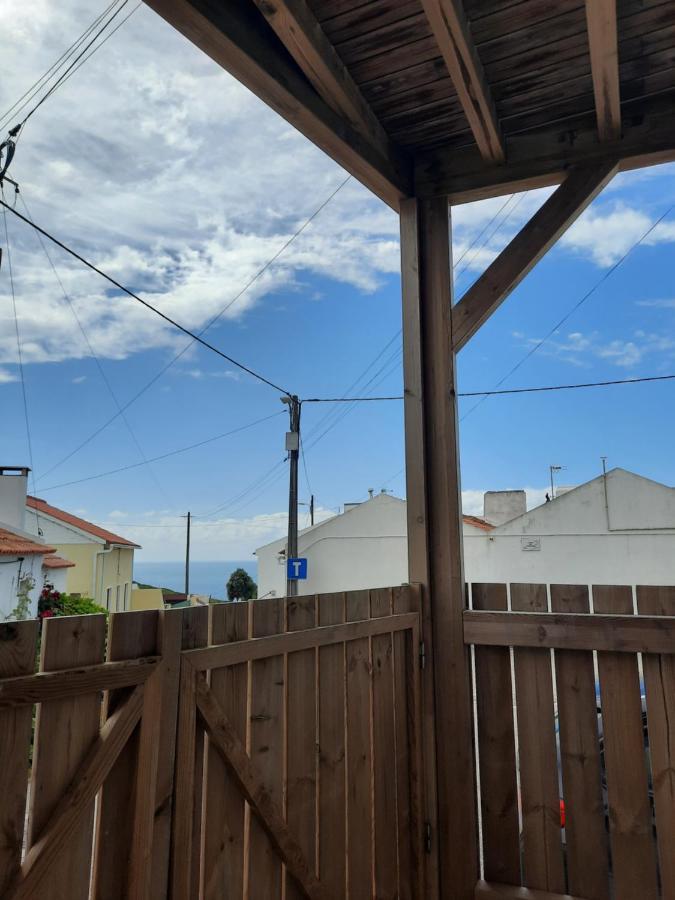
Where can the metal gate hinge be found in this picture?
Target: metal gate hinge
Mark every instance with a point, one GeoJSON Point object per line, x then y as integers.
{"type": "Point", "coordinates": [423, 655]}
{"type": "Point", "coordinates": [427, 837]}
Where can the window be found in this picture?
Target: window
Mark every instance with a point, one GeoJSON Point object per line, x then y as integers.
{"type": "Point", "coordinates": [126, 595]}
{"type": "Point", "coordinates": [117, 598]}
{"type": "Point", "coordinates": [108, 597]}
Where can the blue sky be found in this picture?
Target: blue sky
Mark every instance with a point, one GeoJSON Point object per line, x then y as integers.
{"type": "Point", "coordinates": [182, 185]}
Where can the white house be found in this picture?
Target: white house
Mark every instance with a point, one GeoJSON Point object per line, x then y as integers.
{"type": "Point", "coordinates": [615, 529]}
{"type": "Point", "coordinates": [365, 546]}
{"type": "Point", "coordinates": [26, 561]}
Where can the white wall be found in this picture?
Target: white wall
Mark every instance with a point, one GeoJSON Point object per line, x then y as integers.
{"type": "Point", "coordinates": [13, 500]}
{"type": "Point", "coordinates": [571, 559]}
{"type": "Point", "coordinates": [9, 582]}
{"type": "Point", "coordinates": [367, 547]}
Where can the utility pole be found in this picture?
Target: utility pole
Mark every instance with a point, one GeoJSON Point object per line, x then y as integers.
{"type": "Point", "coordinates": [187, 556]}
{"type": "Point", "coordinates": [311, 510]}
{"type": "Point", "coordinates": [293, 449]}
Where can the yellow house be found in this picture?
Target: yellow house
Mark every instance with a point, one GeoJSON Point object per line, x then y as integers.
{"type": "Point", "coordinates": [103, 561]}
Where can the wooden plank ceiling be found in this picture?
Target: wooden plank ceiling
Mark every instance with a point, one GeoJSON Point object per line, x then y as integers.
{"type": "Point", "coordinates": [464, 97]}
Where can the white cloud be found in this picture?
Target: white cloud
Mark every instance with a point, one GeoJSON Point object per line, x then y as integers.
{"type": "Point", "coordinates": [79, 379]}
{"type": "Point", "coordinates": [658, 304]}
{"type": "Point", "coordinates": [7, 377]}
{"type": "Point", "coordinates": [605, 236]}
{"type": "Point", "coordinates": [580, 349]}
{"type": "Point", "coordinates": [163, 537]}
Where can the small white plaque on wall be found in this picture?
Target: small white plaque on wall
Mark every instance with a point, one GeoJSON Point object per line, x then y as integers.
{"type": "Point", "coordinates": [530, 543]}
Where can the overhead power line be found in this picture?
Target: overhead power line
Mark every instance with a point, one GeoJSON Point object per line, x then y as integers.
{"type": "Point", "coordinates": [65, 73]}
{"type": "Point", "coordinates": [496, 393]}
{"type": "Point", "coordinates": [97, 361]}
{"type": "Point", "coordinates": [33, 90]}
{"type": "Point", "coordinates": [146, 387]}
{"type": "Point", "coordinates": [158, 312]}
{"type": "Point", "coordinates": [162, 456]}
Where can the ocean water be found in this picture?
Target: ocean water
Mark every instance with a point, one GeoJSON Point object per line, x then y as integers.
{"type": "Point", "coordinates": [205, 577]}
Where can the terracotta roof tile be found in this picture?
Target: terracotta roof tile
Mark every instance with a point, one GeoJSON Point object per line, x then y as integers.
{"type": "Point", "coordinates": [56, 562]}
{"type": "Point", "coordinates": [477, 522]}
{"type": "Point", "coordinates": [43, 507]}
{"type": "Point", "coordinates": [14, 545]}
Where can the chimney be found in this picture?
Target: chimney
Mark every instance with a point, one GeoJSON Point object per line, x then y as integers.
{"type": "Point", "coordinates": [502, 506]}
{"type": "Point", "coordinates": [13, 486]}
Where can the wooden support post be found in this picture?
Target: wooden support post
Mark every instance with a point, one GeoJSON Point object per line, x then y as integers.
{"type": "Point", "coordinates": [435, 544]}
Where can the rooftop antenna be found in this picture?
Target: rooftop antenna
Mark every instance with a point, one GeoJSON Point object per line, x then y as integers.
{"type": "Point", "coordinates": [552, 470]}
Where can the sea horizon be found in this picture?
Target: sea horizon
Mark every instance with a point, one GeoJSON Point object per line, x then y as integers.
{"type": "Point", "coordinates": [206, 576]}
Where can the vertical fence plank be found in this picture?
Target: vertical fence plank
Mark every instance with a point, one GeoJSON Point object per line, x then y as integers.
{"type": "Point", "coordinates": [170, 637]}
{"type": "Point", "coordinates": [301, 737]}
{"type": "Point", "coordinates": [384, 740]}
{"type": "Point", "coordinates": [267, 707]}
{"type": "Point", "coordinates": [359, 754]}
{"type": "Point", "coordinates": [186, 831]}
{"type": "Point", "coordinates": [64, 732]}
{"type": "Point", "coordinates": [408, 742]}
{"type": "Point", "coordinates": [659, 674]}
{"type": "Point", "coordinates": [497, 750]}
{"type": "Point", "coordinates": [225, 806]}
{"type": "Point", "coordinates": [542, 845]}
{"type": "Point", "coordinates": [630, 826]}
{"type": "Point", "coordinates": [18, 642]}
{"type": "Point", "coordinates": [130, 635]}
{"type": "Point", "coordinates": [585, 833]}
{"type": "Point", "coordinates": [332, 752]}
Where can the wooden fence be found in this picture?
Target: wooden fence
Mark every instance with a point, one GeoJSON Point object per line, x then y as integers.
{"type": "Point", "coordinates": [252, 750]}
{"type": "Point", "coordinates": [577, 787]}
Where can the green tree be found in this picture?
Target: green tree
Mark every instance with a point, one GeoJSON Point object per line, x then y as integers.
{"type": "Point", "coordinates": [241, 586]}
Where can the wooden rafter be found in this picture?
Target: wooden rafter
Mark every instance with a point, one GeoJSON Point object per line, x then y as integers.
{"type": "Point", "coordinates": [226, 741]}
{"type": "Point", "coordinates": [299, 31]}
{"type": "Point", "coordinates": [603, 44]}
{"type": "Point", "coordinates": [580, 187]}
{"type": "Point", "coordinates": [41, 857]}
{"type": "Point", "coordinates": [545, 158]}
{"type": "Point", "coordinates": [451, 30]}
{"type": "Point", "coordinates": [236, 36]}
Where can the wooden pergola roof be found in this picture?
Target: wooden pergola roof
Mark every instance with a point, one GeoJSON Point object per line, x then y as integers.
{"type": "Point", "coordinates": [472, 99]}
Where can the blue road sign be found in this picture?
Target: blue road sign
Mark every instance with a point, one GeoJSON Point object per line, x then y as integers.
{"type": "Point", "coordinates": [296, 569]}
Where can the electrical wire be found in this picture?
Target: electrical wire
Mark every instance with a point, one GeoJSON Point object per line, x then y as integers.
{"type": "Point", "coordinates": [571, 311]}
{"type": "Point", "coordinates": [66, 71]}
{"type": "Point", "coordinates": [19, 353]}
{"type": "Point", "coordinates": [97, 361]}
{"type": "Point", "coordinates": [208, 325]}
{"type": "Point", "coordinates": [496, 393]}
{"type": "Point", "coordinates": [162, 456]}
{"type": "Point", "coordinates": [483, 230]}
{"type": "Point", "coordinates": [33, 90]}
{"type": "Point", "coordinates": [191, 334]}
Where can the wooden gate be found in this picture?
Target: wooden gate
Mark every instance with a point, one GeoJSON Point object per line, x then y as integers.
{"type": "Point", "coordinates": [298, 754]}
{"type": "Point", "coordinates": [249, 750]}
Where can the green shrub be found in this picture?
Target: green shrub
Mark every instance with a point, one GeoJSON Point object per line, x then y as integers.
{"type": "Point", "coordinates": [72, 605]}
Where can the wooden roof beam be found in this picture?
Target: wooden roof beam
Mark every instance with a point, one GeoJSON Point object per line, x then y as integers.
{"type": "Point", "coordinates": [603, 43]}
{"type": "Point", "coordinates": [451, 30]}
{"type": "Point", "coordinates": [299, 31]}
{"type": "Point", "coordinates": [579, 189]}
{"type": "Point", "coordinates": [236, 36]}
{"type": "Point", "coordinates": [544, 158]}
